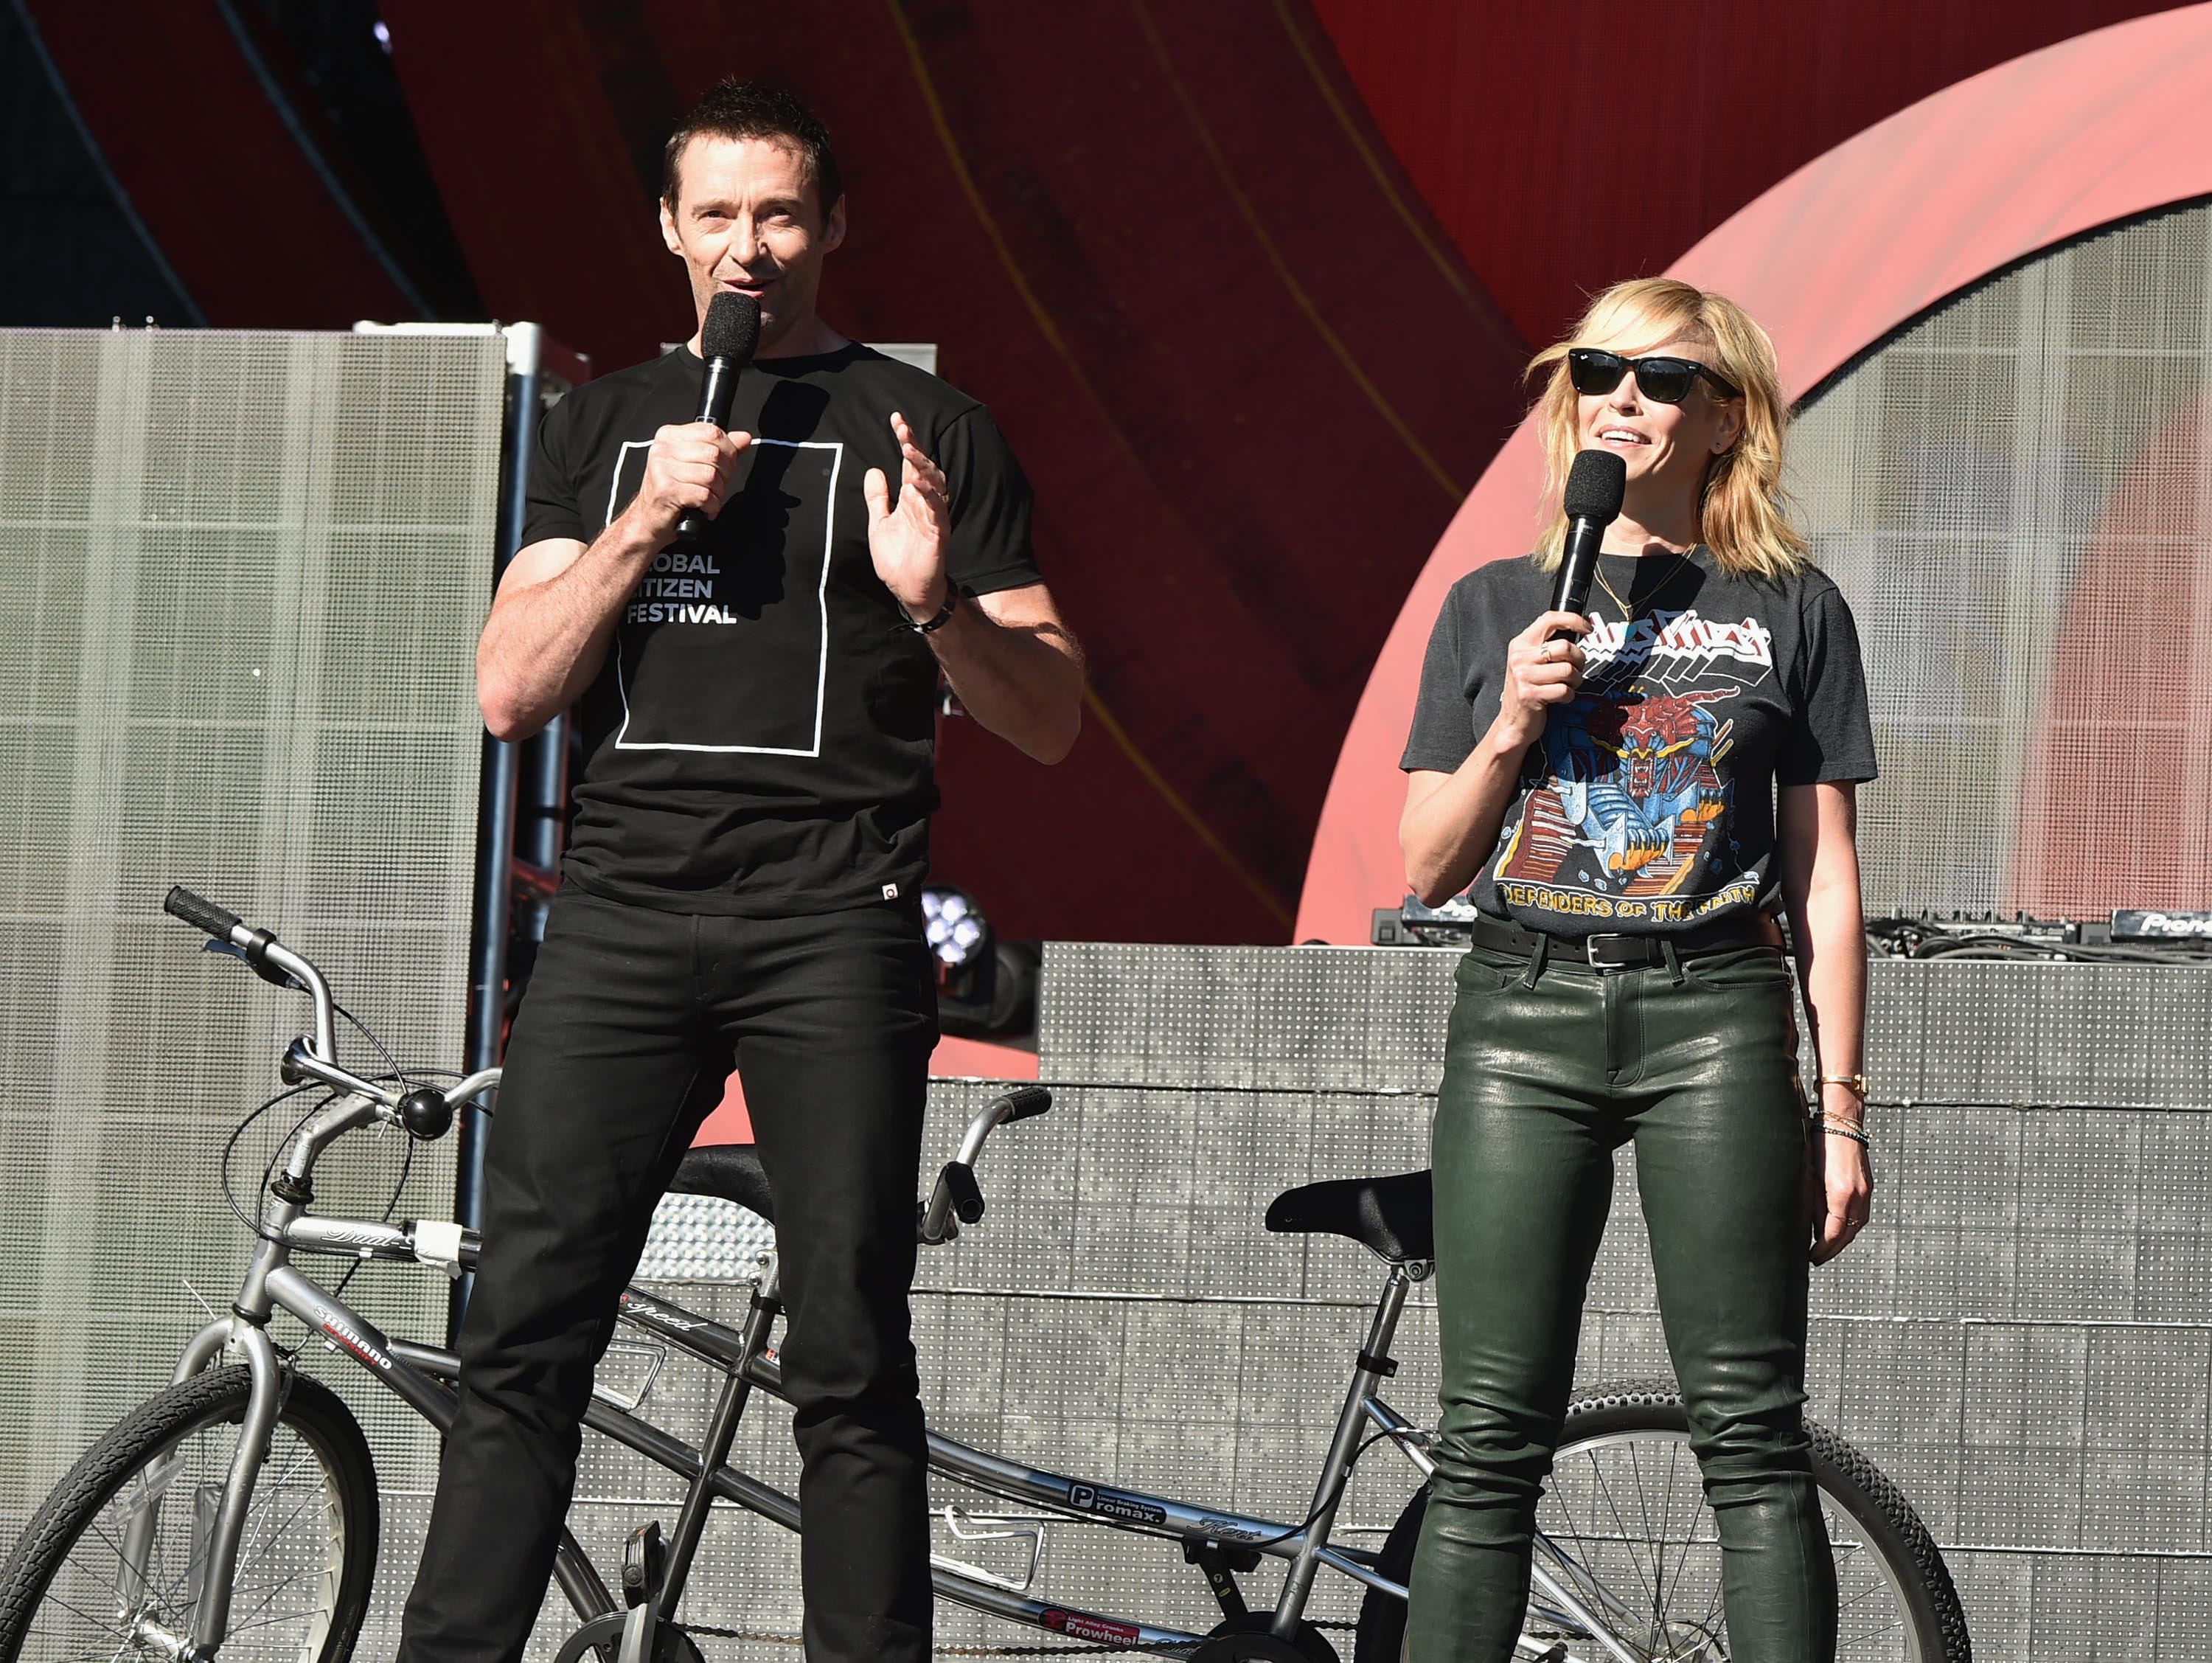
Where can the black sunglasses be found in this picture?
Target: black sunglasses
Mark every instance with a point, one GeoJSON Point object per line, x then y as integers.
{"type": "Point", "coordinates": [1663, 380]}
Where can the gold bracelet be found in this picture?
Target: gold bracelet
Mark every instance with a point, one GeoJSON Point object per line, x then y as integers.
{"type": "Point", "coordinates": [1854, 1083]}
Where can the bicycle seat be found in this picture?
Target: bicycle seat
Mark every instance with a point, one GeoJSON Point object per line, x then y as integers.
{"type": "Point", "coordinates": [1394, 1216]}
{"type": "Point", "coordinates": [732, 1171]}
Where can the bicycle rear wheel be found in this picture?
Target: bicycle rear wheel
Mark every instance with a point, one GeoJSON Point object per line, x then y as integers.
{"type": "Point", "coordinates": [305, 1556]}
{"type": "Point", "coordinates": [1625, 1529]}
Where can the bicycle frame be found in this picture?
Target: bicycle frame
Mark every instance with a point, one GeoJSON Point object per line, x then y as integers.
{"type": "Point", "coordinates": [1212, 1537]}
{"type": "Point", "coordinates": [1220, 1540]}
{"type": "Point", "coordinates": [418, 1374]}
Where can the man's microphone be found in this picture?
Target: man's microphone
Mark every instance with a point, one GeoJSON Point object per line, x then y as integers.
{"type": "Point", "coordinates": [727, 341]}
{"type": "Point", "coordinates": [1595, 484]}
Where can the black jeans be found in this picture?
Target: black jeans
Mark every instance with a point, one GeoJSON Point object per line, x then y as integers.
{"type": "Point", "coordinates": [620, 1051]}
{"type": "Point", "coordinates": [1545, 1073]}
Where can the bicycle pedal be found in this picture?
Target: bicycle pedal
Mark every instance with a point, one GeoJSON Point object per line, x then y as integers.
{"type": "Point", "coordinates": [644, 1557]}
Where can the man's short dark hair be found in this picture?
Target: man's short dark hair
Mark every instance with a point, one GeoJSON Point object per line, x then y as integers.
{"type": "Point", "coordinates": [755, 109]}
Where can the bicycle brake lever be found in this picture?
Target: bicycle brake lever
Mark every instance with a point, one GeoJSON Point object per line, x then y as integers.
{"type": "Point", "coordinates": [268, 972]}
{"type": "Point", "coordinates": [950, 1231]}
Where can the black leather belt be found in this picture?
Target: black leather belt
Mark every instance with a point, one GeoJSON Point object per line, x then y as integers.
{"type": "Point", "coordinates": [1618, 952]}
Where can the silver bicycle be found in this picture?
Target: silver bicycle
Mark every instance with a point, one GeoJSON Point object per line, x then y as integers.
{"type": "Point", "coordinates": [236, 1513]}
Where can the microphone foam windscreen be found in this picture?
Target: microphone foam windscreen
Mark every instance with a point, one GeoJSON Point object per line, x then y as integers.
{"type": "Point", "coordinates": [731, 329]}
{"type": "Point", "coordinates": [1595, 484]}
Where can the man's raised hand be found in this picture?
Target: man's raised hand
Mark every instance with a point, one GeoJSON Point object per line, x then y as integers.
{"type": "Point", "coordinates": [688, 466]}
{"type": "Point", "coordinates": [909, 540]}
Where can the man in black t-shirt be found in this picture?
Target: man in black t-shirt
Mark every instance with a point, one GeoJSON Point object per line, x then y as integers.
{"type": "Point", "coordinates": [742, 882]}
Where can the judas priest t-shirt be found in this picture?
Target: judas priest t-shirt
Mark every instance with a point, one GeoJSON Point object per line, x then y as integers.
{"type": "Point", "coordinates": [1648, 805]}
{"type": "Point", "coordinates": [760, 740]}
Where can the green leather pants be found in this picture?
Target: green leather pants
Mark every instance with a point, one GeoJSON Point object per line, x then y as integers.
{"type": "Point", "coordinates": [1550, 1068]}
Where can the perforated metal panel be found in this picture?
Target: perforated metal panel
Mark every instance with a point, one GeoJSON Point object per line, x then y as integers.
{"type": "Point", "coordinates": [2016, 496]}
{"type": "Point", "coordinates": [2020, 1340]}
{"type": "Point", "coordinates": [704, 1238]}
{"type": "Point", "coordinates": [241, 577]}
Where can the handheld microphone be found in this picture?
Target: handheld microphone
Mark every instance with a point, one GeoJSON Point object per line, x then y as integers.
{"type": "Point", "coordinates": [727, 341]}
{"type": "Point", "coordinates": [1595, 484]}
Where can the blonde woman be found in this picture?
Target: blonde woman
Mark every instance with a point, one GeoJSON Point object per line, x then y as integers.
{"type": "Point", "coordinates": [1634, 796]}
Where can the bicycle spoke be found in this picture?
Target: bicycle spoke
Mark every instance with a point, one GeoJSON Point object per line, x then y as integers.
{"type": "Point", "coordinates": [103, 1624]}
{"type": "Point", "coordinates": [237, 1628]}
{"type": "Point", "coordinates": [270, 1540]}
{"type": "Point", "coordinates": [1711, 1621]}
{"type": "Point", "coordinates": [164, 1592]}
{"type": "Point", "coordinates": [1659, 1549]}
{"type": "Point", "coordinates": [122, 1649]}
{"type": "Point", "coordinates": [281, 1589]}
{"type": "Point", "coordinates": [1689, 1531]}
{"type": "Point", "coordinates": [157, 1590]}
{"type": "Point", "coordinates": [1619, 1522]}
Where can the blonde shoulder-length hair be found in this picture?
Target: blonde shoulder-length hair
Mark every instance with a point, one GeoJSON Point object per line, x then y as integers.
{"type": "Point", "coordinates": [1744, 516]}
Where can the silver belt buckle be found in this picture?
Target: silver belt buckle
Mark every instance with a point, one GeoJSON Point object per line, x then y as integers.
{"type": "Point", "coordinates": [1590, 955]}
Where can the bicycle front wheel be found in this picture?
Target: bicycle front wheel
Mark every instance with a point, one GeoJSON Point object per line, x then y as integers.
{"type": "Point", "coordinates": [1625, 1530]}
{"type": "Point", "coordinates": [114, 1564]}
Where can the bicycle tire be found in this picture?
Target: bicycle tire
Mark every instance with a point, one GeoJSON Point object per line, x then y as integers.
{"type": "Point", "coordinates": [316, 1443]}
{"type": "Point", "coordinates": [1887, 1539]}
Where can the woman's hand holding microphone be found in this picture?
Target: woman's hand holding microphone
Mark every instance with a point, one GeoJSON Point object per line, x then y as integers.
{"type": "Point", "coordinates": [1540, 672]}
{"type": "Point", "coordinates": [1451, 820]}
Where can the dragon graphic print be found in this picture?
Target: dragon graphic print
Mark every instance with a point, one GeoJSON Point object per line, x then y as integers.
{"type": "Point", "coordinates": [1649, 803]}
{"type": "Point", "coordinates": [1631, 814]}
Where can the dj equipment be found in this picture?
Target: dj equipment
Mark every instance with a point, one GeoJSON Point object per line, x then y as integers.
{"type": "Point", "coordinates": [2131, 935]}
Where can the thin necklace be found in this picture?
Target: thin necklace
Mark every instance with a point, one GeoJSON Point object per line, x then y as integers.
{"type": "Point", "coordinates": [1627, 613]}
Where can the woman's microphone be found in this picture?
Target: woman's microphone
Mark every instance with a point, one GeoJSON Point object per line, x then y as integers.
{"type": "Point", "coordinates": [1595, 484]}
{"type": "Point", "coordinates": [727, 340]}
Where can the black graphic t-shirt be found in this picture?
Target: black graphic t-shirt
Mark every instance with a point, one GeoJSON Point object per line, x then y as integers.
{"type": "Point", "coordinates": [761, 740]}
{"type": "Point", "coordinates": [1648, 805]}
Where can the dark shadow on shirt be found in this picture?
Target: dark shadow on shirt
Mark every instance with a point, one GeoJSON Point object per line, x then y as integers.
{"type": "Point", "coordinates": [793, 411]}
{"type": "Point", "coordinates": [755, 530]}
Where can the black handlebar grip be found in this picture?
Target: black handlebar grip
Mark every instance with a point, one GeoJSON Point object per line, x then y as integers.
{"type": "Point", "coordinates": [200, 914]}
{"type": "Point", "coordinates": [959, 1182]}
{"type": "Point", "coordinates": [1024, 1101]}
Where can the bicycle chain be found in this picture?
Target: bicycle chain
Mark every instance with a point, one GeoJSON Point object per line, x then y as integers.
{"type": "Point", "coordinates": [759, 1638]}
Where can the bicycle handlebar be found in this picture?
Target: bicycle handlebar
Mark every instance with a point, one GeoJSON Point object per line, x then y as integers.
{"type": "Point", "coordinates": [426, 1111]}
{"type": "Point", "coordinates": [957, 1195]}
{"type": "Point", "coordinates": [201, 914]}
{"type": "Point", "coordinates": [272, 961]}
{"type": "Point", "coordinates": [1024, 1101]}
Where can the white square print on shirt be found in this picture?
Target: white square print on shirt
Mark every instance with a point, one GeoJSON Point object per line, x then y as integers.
{"type": "Point", "coordinates": [724, 644]}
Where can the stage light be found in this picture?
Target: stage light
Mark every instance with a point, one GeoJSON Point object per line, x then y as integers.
{"type": "Point", "coordinates": [987, 989]}
{"type": "Point", "coordinates": [955, 927]}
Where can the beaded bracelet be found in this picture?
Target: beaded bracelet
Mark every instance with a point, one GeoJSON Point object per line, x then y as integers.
{"type": "Point", "coordinates": [1844, 1129]}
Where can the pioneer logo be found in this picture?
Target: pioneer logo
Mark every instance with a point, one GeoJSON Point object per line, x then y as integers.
{"type": "Point", "coordinates": [1112, 1504]}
